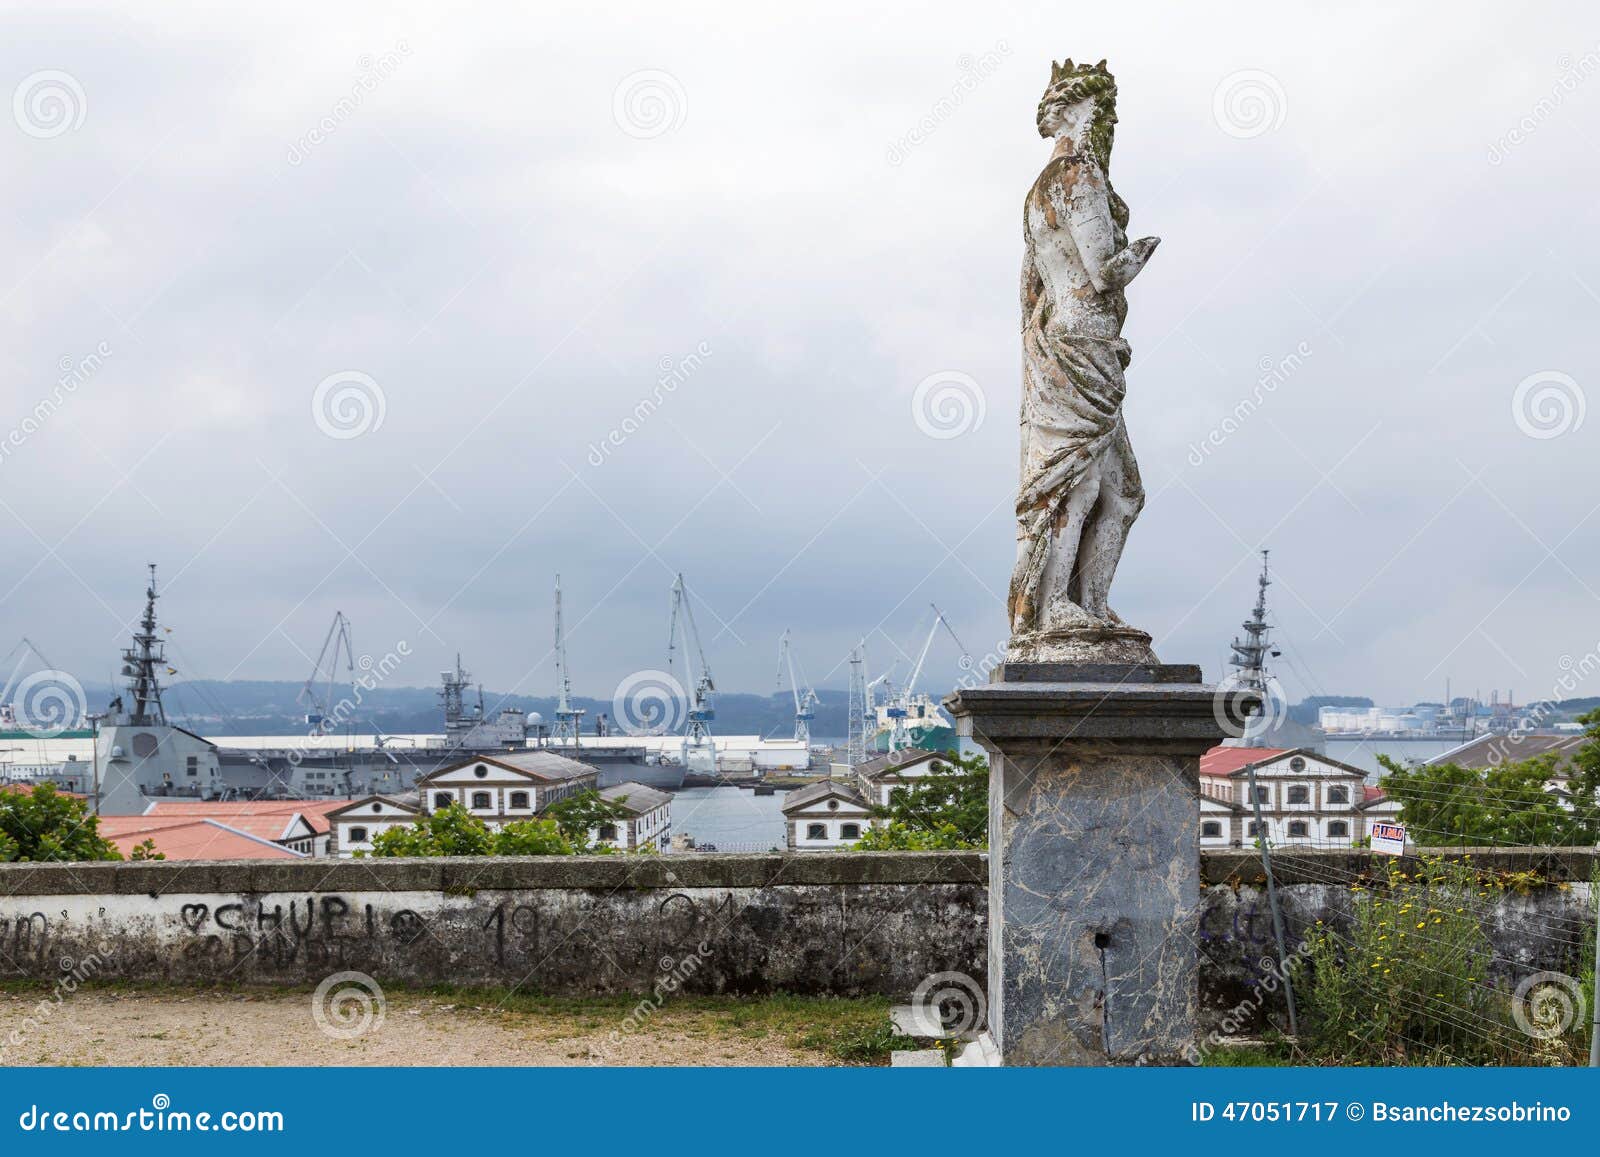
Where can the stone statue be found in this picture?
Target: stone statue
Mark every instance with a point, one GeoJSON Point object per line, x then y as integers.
{"type": "Point", "coordinates": [1080, 489]}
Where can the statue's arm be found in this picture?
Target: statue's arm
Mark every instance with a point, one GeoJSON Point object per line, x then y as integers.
{"type": "Point", "coordinates": [1094, 232]}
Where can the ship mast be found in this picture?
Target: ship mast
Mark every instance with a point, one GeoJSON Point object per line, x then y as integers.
{"type": "Point", "coordinates": [569, 720]}
{"type": "Point", "coordinates": [139, 664]}
{"type": "Point", "coordinates": [1250, 653]}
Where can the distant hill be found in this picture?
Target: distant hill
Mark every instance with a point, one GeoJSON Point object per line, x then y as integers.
{"type": "Point", "coordinates": [258, 707]}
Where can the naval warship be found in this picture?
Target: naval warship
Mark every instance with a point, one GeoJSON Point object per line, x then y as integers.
{"type": "Point", "coordinates": [140, 755]}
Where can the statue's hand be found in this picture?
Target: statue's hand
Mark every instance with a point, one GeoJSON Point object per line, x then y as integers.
{"type": "Point", "coordinates": [1124, 265]}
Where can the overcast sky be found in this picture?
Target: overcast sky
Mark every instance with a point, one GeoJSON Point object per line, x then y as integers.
{"type": "Point", "coordinates": [499, 225]}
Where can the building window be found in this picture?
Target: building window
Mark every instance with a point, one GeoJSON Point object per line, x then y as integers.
{"type": "Point", "coordinates": [519, 799]}
{"type": "Point", "coordinates": [1297, 764]}
{"type": "Point", "coordinates": [849, 831]}
{"type": "Point", "coordinates": [358, 835]}
{"type": "Point", "coordinates": [442, 800]}
{"type": "Point", "coordinates": [194, 766]}
{"type": "Point", "coordinates": [608, 832]}
{"type": "Point", "coordinates": [816, 831]}
{"type": "Point", "coordinates": [1297, 828]}
{"type": "Point", "coordinates": [480, 771]}
{"type": "Point", "coordinates": [377, 807]}
{"type": "Point", "coordinates": [833, 805]}
{"type": "Point", "coordinates": [480, 801]}
{"type": "Point", "coordinates": [1299, 793]}
{"type": "Point", "coordinates": [1253, 830]}
{"type": "Point", "coordinates": [1338, 828]}
{"type": "Point", "coordinates": [1211, 829]}
{"type": "Point", "coordinates": [1339, 794]}
{"type": "Point", "coordinates": [1263, 795]}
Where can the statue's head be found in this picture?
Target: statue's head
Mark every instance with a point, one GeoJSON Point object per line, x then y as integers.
{"type": "Point", "coordinates": [1081, 93]}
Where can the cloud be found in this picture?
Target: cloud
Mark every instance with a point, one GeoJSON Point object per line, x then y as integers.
{"type": "Point", "coordinates": [479, 237]}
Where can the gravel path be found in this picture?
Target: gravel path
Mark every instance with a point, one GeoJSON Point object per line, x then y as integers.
{"type": "Point", "coordinates": [108, 1027]}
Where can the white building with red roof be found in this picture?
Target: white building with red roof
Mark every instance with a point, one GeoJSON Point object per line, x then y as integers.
{"type": "Point", "coordinates": [1307, 799]}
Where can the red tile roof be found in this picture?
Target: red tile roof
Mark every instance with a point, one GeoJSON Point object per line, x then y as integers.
{"type": "Point", "coordinates": [315, 811]}
{"type": "Point", "coordinates": [180, 838]}
{"type": "Point", "coordinates": [27, 789]}
{"type": "Point", "coordinates": [1227, 760]}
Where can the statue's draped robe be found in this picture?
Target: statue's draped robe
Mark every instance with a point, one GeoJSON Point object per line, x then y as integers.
{"type": "Point", "coordinates": [1072, 388]}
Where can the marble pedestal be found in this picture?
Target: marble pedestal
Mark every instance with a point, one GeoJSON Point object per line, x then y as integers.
{"type": "Point", "coordinates": [1094, 855]}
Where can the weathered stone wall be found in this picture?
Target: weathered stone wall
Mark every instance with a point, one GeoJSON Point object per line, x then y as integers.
{"type": "Point", "coordinates": [741, 924]}
{"type": "Point", "coordinates": [841, 923]}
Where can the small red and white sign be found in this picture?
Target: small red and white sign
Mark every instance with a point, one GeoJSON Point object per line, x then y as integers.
{"type": "Point", "coordinates": [1390, 839]}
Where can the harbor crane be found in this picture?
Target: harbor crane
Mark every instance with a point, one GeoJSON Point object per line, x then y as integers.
{"type": "Point", "coordinates": [697, 725]}
{"type": "Point", "coordinates": [318, 701]}
{"type": "Point", "coordinates": [805, 702]}
{"type": "Point", "coordinates": [900, 702]}
{"type": "Point", "coordinates": [569, 719]}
